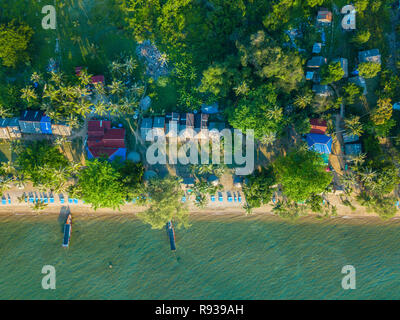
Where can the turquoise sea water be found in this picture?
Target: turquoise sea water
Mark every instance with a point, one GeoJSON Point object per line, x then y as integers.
{"type": "Point", "coordinates": [227, 258]}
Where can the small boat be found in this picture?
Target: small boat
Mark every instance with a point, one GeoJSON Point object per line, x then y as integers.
{"type": "Point", "coordinates": [67, 231]}
{"type": "Point", "coordinates": [171, 235]}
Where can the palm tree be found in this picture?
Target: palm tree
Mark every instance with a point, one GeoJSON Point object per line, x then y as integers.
{"type": "Point", "coordinates": [368, 175]}
{"type": "Point", "coordinates": [130, 65]}
{"type": "Point", "coordinates": [116, 87]}
{"type": "Point", "coordinates": [101, 108]}
{"type": "Point", "coordinates": [242, 88]}
{"type": "Point", "coordinates": [116, 67]}
{"type": "Point", "coordinates": [4, 113]}
{"type": "Point", "coordinates": [302, 101]}
{"type": "Point", "coordinates": [8, 168]}
{"type": "Point", "coordinates": [275, 113]}
{"type": "Point", "coordinates": [353, 126]}
{"type": "Point", "coordinates": [268, 139]}
{"type": "Point", "coordinates": [57, 78]}
{"type": "Point", "coordinates": [359, 159]}
{"type": "Point", "coordinates": [28, 94]}
{"type": "Point", "coordinates": [38, 206]}
{"type": "Point", "coordinates": [84, 77]}
{"type": "Point", "coordinates": [36, 77]}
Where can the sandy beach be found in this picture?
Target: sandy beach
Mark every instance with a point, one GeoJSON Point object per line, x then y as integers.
{"type": "Point", "coordinates": [224, 209]}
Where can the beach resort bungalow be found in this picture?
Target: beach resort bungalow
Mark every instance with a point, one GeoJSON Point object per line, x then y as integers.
{"type": "Point", "coordinates": [201, 126]}
{"type": "Point", "coordinates": [352, 149]}
{"type": "Point", "coordinates": [61, 129]}
{"type": "Point", "coordinates": [172, 125]}
{"type": "Point", "coordinates": [324, 16]}
{"type": "Point", "coordinates": [344, 64]}
{"type": "Point", "coordinates": [318, 126]}
{"type": "Point", "coordinates": [214, 130]}
{"type": "Point", "coordinates": [369, 56]}
{"type": "Point", "coordinates": [158, 127]}
{"type": "Point", "coordinates": [30, 121]}
{"type": "Point", "coordinates": [104, 141]}
{"type": "Point", "coordinates": [320, 143]}
{"type": "Point", "coordinates": [322, 90]}
{"type": "Point", "coordinates": [186, 126]}
{"type": "Point", "coordinates": [9, 128]}
{"type": "Point", "coordinates": [316, 62]}
{"type": "Point", "coordinates": [349, 138]}
{"type": "Point", "coordinates": [145, 129]}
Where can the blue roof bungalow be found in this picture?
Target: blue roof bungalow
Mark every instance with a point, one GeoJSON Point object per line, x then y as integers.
{"type": "Point", "coordinates": [34, 121]}
{"type": "Point", "coordinates": [321, 144]}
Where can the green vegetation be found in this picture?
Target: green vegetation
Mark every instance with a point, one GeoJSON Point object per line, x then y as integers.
{"type": "Point", "coordinates": [369, 69]}
{"type": "Point", "coordinates": [14, 42]}
{"type": "Point", "coordinates": [302, 174]}
{"type": "Point", "coordinates": [164, 203]}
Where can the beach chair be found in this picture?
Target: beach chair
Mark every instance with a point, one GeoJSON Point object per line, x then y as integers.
{"type": "Point", "coordinates": [26, 197]}
{"type": "Point", "coordinates": [9, 199]}
{"type": "Point", "coordinates": [31, 200]}
{"type": "Point", "coordinates": [70, 200]}
{"type": "Point", "coordinates": [51, 198]}
{"type": "Point", "coordinates": [46, 200]}
{"type": "Point", "coordinates": [3, 201]}
{"type": "Point", "coordinates": [183, 199]}
{"type": "Point", "coordinates": [229, 197]}
{"type": "Point", "coordinates": [212, 198]}
{"type": "Point", "coordinates": [36, 198]}
{"type": "Point", "coordinates": [76, 201]}
{"type": "Point", "coordinates": [234, 197]}
{"type": "Point", "coordinates": [61, 196]}
{"type": "Point", "coordinates": [239, 197]}
{"type": "Point", "coordinates": [220, 198]}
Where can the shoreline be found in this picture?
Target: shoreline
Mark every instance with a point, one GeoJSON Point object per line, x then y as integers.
{"type": "Point", "coordinates": [222, 214]}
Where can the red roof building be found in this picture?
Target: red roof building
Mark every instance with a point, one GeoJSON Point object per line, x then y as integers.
{"type": "Point", "coordinates": [105, 141]}
{"type": "Point", "coordinates": [318, 126]}
{"type": "Point", "coordinates": [97, 79]}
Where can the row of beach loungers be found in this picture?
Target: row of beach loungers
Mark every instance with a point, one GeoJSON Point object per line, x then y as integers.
{"type": "Point", "coordinates": [34, 197]}
{"type": "Point", "coordinates": [230, 196]}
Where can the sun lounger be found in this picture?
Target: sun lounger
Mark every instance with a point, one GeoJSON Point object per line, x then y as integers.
{"type": "Point", "coordinates": [31, 200]}
{"type": "Point", "coordinates": [76, 201]}
{"type": "Point", "coordinates": [9, 199]}
{"type": "Point", "coordinates": [213, 198]}
{"type": "Point", "coordinates": [26, 198]}
{"type": "Point", "coordinates": [183, 199]}
{"type": "Point", "coordinates": [61, 196]}
{"type": "Point", "coordinates": [239, 197]}
{"type": "Point", "coordinates": [51, 198]}
{"type": "Point", "coordinates": [234, 197]}
{"type": "Point", "coordinates": [3, 201]}
{"type": "Point", "coordinates": [46, 200]}
{"type": "Point", "coordinates": [229, 197]}
{"type": "Point", "coordinates": [70, 200]}
{"type": "Point", "coordinates": [220, 198]}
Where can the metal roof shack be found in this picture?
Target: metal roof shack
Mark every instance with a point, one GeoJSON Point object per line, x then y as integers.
{"type": "Point", "coordinates": [316, 62]}
{"type": "Point", "coordinates": [201, 126]}
{"type": "Point", "coordinates": [105, 141]}
{"type": "Point", "coordinates": [324, 16]}
{"type": "Point", "coordinates": [186, 126]}
{"type": "Point", "coordinates": [29, 121]}
{"type": "Point", "coordinates": [4, 134]}
{"type": "Point", "coordinates": [14, 128]}
{"type": "Point", "coordinates": [159, 127]}
{"type": "Point", "coordinates": [352, 148]}
{"type": "Point", "coordinates": [145, 129]}
{"type": "Point", "coordinates": [318, 126]}
{"type": "Point", "coordinates": [322, 90]}
{"type": "Point", "coordinates": [372, 55]}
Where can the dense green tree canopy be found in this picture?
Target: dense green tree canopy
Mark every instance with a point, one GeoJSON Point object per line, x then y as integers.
{"type": "Point", "coordinates": [369, 69]}
{"type": "Point", "coordinates": [165, 203]}
{"type": "Point", "coordinates": [302, 174]}
{"type": "Point", "coordinates": [99, 184]}
{"type": "Point", "coordinates": [14, 42]}
{"type": "Point", "coordinates": [332, 72]}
